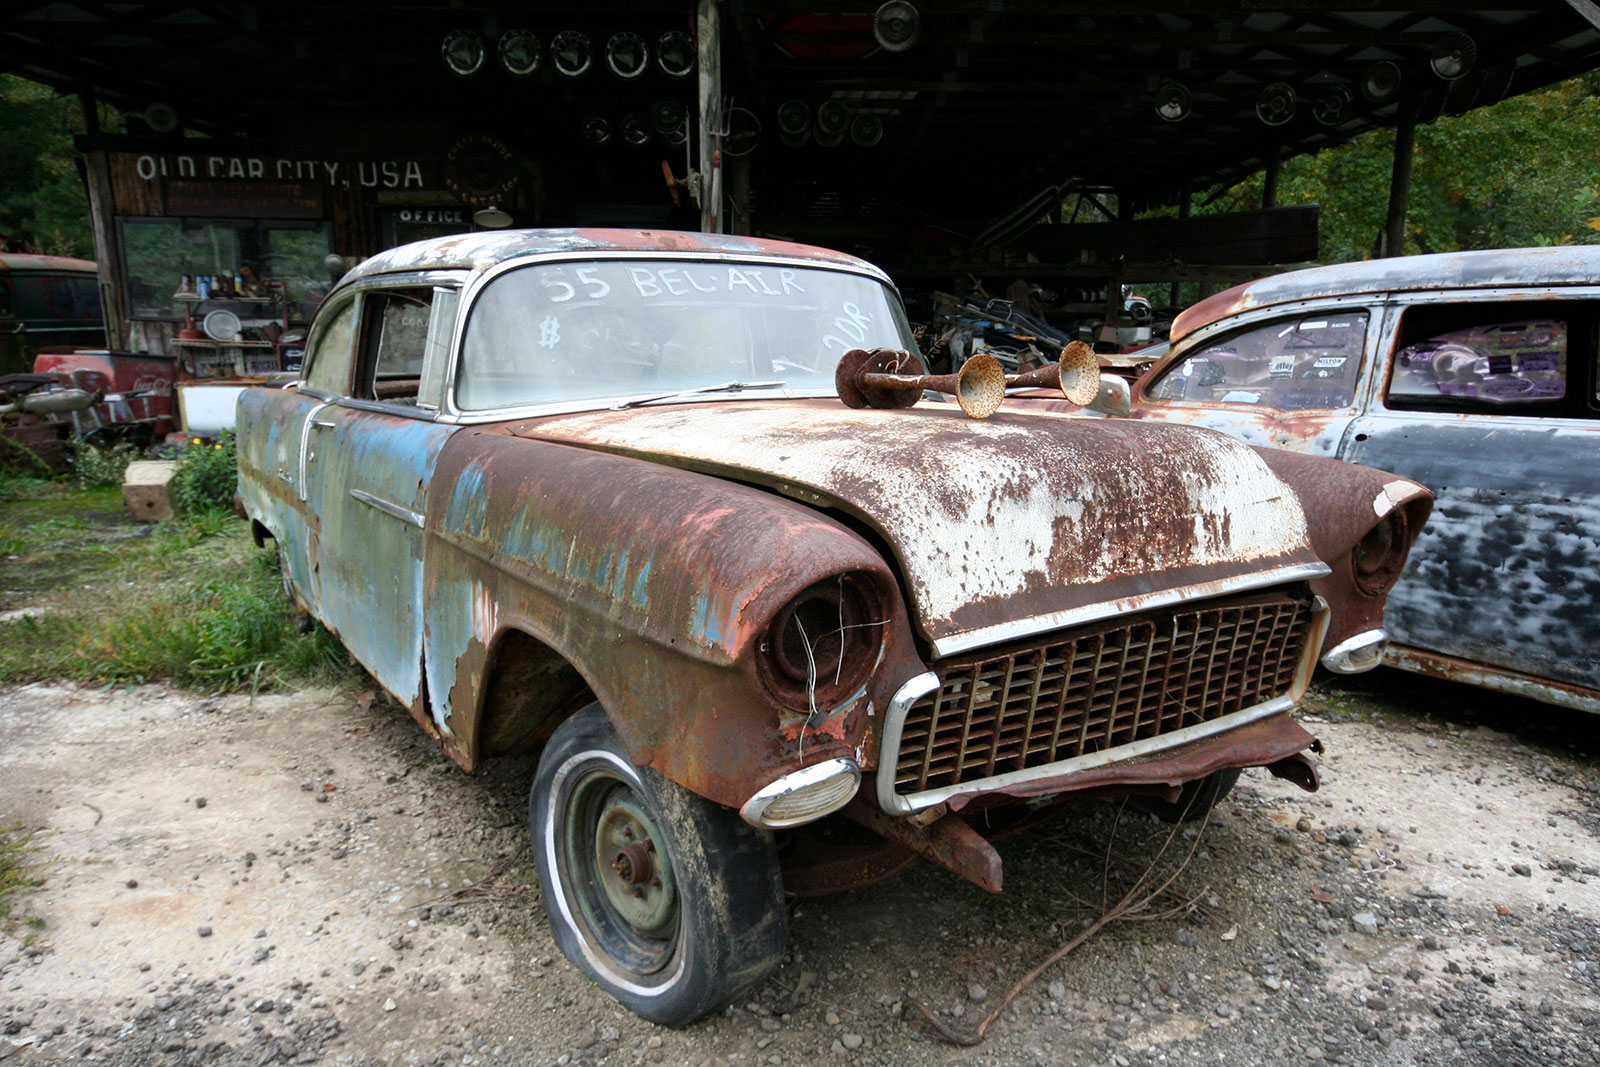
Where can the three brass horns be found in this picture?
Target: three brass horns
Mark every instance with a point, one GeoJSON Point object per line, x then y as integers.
{"type": "Point", "coordinates": [873, 380]}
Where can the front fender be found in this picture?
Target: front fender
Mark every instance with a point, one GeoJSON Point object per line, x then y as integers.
{"type": "Point", "coordinates": [1342, 503]}
{"type": "Point", "coordinates": [655, 583]}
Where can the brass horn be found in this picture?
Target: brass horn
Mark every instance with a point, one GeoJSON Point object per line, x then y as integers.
{"type": "Point", "coordinates": [873, 380]}
{"type": "Point", "coordinates": [1076, 374]}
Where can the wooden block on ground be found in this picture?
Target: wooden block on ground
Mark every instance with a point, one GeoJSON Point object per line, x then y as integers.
{"type": "Point", "coordinates": [147, 489]}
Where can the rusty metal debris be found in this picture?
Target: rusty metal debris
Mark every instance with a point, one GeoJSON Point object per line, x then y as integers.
{"type": "Point", "coordinates": [878, 379]}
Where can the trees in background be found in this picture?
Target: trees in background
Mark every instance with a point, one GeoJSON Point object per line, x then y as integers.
{"type": "Point", "coordinates": [1525, 171]}
{"type": "Point", "coordinates": [42, 201]}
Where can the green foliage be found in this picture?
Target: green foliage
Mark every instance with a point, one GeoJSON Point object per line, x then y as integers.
{"type": "Point", "coordinates": [93, 465]}
{"type": "Point", "coordinates": [1525, 171]}
{"type": "Point", "coordinates": [20, 872]}
{"type": "Point", "coordinates": [207, 476]}
{"type": "Point", "coordinates": [42, 201]}
{"type": "Point", "coordinates": [191, 601]}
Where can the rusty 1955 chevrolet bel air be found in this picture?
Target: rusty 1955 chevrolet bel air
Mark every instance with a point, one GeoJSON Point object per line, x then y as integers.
{"type": "Point", "coordinates": [594, 494]}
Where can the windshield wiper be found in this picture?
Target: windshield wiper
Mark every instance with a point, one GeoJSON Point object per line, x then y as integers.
{"type": "Point", "coordinates": [725, 387]}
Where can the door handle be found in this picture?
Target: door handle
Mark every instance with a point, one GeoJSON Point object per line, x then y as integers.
{"type": "Point", "coordinates": [326, 424]}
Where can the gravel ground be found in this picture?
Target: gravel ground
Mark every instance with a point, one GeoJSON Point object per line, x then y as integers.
{"type": "Point", "coordinates": [303, 879]}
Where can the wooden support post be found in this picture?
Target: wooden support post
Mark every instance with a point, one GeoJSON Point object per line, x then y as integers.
{"type": "Point", "coordinates": [738, 172]}
{"type": "Point", "coordinates": [1393, 240]}
{"type": "Point", "coordinates": [103, 224]}
{"type": "Point", "coordinates": [709, 24]}
{"type": "Point", "coordinates": [1183, 213]}
{"type": "Point", "coordinates": [1269, 182]}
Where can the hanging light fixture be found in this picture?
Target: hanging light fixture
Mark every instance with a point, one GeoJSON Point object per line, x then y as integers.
{"type": "Point", "coordinates": [866, 131]}
{"type": "Point", "coordinates": [1381, 82]}
{"type": "Point", "coordinates": [670, 120]}
{"type": "Point", "coordinates": [519, 52]}
{"type": "Point", "coordinates": [1452, 56]}
{"type": "Point", "coordinates": [896, 26]}
{"type": "Point", "coordinates": [1275, 106]}
{"type": "Point", "coordinates": [634, 130]}
{"type": "Point", "coordinates": [794, 122]}
{"type": "Point", "coordinates": [571, 54]}
{"type": "Point", "coordinates": [627, 55]}
{"type": "Point", "coordinates": [596, 131]}
{"type": "Point", "coordinates": [463, 52]}
{"type": "Point", "coordinates": [675, 54]}
{"type": "Point", "coordinates": [1174, 102]}
{"type": "Point", "coordinates": [1332, 104]}
{"type": "Point", "coordinates": [493, 217]}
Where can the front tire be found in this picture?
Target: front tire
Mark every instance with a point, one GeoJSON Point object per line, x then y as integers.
{"type": "Point", "coordinates": [672, 904]}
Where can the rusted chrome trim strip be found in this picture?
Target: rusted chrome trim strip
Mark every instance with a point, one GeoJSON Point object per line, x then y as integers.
{"type": "Point", "coordinates": [1001, 633]}
{"type": "Point", "coordinates": [403, 514]}
{"type": "Point", "coordinates": [894, 724]}
{"type": "Point", "coordinates": [1358, 654]}
{"type": "Point", "coordinates": [754, 810]}
{"type": "Point", "coordinates": [1497, 679]}
{"type": "Point", "coordinates": [899, 707]}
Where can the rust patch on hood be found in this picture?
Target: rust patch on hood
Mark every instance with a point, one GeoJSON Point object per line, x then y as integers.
{"type": "Point", "coordinates": [1011, 518]}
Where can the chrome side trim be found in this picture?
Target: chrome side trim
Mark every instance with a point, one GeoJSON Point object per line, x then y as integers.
{"type": "Point", "coordinates": [1002, 633]}
{"type": "Point", "coordinates": [894, 723]}
{"type": "Point", "coordinates": [305, 442]}
{"type": "Point", "coordinates": [403, 514]}
{"type": "Point", "coordinates": [1357, 654]}
{"type": "Point", "coordinates": [754, 809]}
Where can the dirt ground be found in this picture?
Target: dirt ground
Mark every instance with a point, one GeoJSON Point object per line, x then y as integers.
{"type": "Point", "coordinates": [303, 879]}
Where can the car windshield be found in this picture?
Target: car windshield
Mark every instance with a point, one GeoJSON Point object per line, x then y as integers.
{"type": "Point", "coordinates": [573, 331]}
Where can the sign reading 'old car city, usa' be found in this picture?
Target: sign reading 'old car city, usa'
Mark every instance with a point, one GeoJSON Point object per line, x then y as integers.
{"type": "Point", "coordinates": [594, 494]}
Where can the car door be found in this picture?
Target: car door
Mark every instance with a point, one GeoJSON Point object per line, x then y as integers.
{"type": "Point", "coordinates": [374, 454]}
{"type": "Point", "coordinates": [1489, 399]}
{"type": "Point", "coordinates": [286, 454]}
{"type": "Point", "coordinates": [1284, 377]}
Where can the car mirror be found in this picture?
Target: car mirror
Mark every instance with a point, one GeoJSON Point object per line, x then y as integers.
{"type": "Point", "coordinates": [1114, 398]}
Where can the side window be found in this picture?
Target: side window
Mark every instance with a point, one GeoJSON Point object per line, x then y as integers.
{"type": "Point", "coordinates": [1496, 365]}
{"type": "Point", "coordinates": [1294, 364]}
{"type": "Point", "coordinates": [395, 342]}
{"type": "Point", "coordinates": [330, 353]}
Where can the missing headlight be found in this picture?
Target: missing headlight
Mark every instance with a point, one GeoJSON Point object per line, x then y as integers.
{"type": "Point", "coordinates": [823, 644]}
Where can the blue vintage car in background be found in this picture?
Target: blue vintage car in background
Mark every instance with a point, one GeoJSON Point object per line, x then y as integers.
{"type": "Point", "coordinates": [1474, 373]}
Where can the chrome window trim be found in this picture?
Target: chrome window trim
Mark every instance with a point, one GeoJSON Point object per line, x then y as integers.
{"type": "Point", "coordinates": [450, 412]}
{"type": "Point", "coordinates": [1002, 633]}
{"type": "Point", "coordinates": [900, 706]}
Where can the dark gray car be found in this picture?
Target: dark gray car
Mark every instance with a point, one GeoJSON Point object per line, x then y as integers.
{"type": "Point", "coordinates": [1474, 373]}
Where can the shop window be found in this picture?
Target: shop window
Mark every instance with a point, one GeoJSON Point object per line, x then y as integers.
{"type": "Point", "coordinates": [257, 261]}
{"type": "Point", "coordinates": [1289, 364]}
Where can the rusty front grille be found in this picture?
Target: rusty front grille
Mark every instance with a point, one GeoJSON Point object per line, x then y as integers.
{"type": "Point", "coordinates": [1085, 690]}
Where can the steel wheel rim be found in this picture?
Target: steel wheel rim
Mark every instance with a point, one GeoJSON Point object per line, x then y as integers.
{"type": "Point", "coordinates": [608, 841]}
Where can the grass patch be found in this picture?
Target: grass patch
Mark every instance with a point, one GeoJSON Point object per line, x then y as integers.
{"type": "Point", "coordinates": [191, 601]}
{"type": "Point", "coordinates": [20, 872]}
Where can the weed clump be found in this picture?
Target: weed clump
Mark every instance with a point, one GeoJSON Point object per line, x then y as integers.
{"type": "Point", "coordinates": [93, 465]}
{"type": "Point", "coordinates": [207, 476]}
{"type": "Point", "coordinates": [20, 872]}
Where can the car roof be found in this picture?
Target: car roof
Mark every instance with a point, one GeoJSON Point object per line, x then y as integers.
{"type": "Point", "coordinates": [30, 261]}
{"type": "Point", "coordinates": [476, 251]}
{"type": "Point", "coordinates": [1495, 268]}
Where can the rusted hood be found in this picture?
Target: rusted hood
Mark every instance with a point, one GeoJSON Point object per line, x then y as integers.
{"type": "Point", "coordinates": [1013, 524]}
